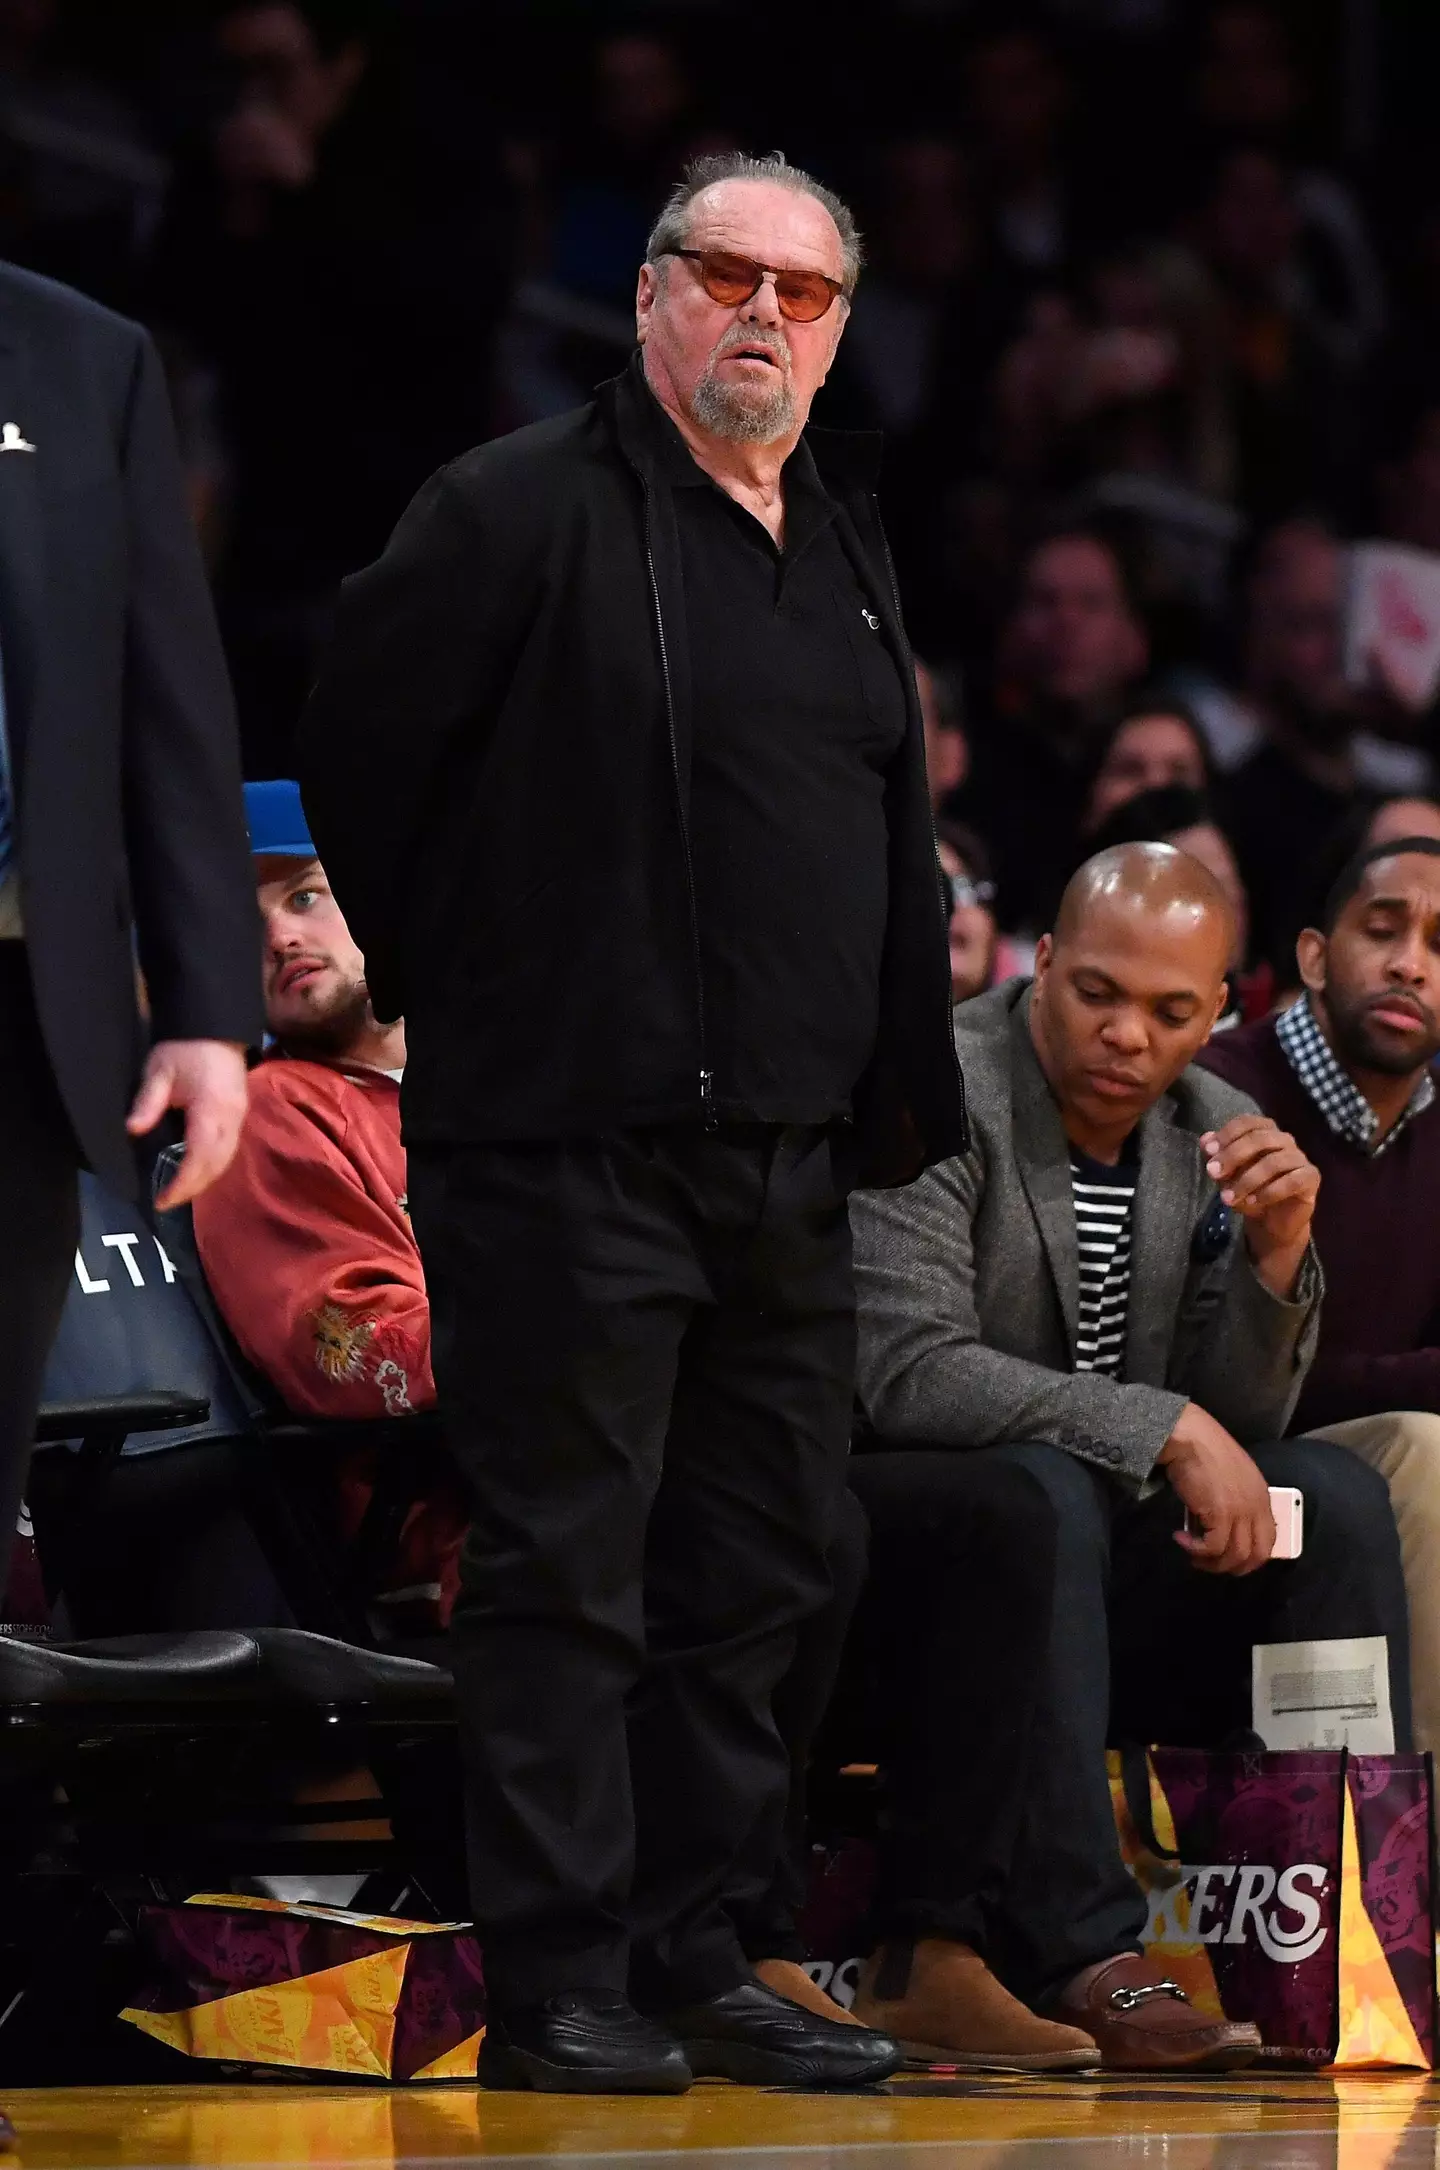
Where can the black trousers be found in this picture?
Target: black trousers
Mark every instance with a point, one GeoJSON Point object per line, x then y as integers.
{"type": "Point", "coordinates": [645, 1348]}
{"type": "Point", "coordinates": [1021, 1612]}
{"type": "Point", "coordinates": [39, 1228]}
{"type": "Point", "coordinates": [158, 1543]}
{"type": "Point", "coordinates": [768, 1888]}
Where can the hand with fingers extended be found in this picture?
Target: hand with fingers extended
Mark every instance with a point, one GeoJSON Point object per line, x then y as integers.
{"type": "Point", "coordinates": [1226, 1494]}
{"type": "Point", "coordinates": [205, 1079]}
{"type": "Point", "coordinates": [1265, 1178]}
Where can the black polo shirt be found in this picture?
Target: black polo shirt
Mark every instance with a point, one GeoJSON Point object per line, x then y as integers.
{"type": "Point", "coordinates": [798, 709]}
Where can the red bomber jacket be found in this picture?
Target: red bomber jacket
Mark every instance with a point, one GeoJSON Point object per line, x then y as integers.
{"type": "Point", "coordinates": [306, 1243]}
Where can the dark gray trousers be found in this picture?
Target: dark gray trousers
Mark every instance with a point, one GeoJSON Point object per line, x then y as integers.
{"type": "Point", "coordinates": [1002, 1833]}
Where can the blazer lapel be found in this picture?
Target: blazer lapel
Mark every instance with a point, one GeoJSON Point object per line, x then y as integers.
{"type": "Point", "coordinates": [1043, 1158]}
{"type": "Point", "coordinates": [1162, 1218]}
{"type": "Point", "coordinates": [22, 569]}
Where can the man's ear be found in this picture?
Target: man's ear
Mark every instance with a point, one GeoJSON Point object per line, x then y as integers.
{"type": "Point", "coordinates": [647, 286]}
{"type": "Point", "coordinates": [1310, 955]}
{"type": "Point", "coordinates": [1044, 956]}
{"type": "Point", "coordinates": [1222, 1003]}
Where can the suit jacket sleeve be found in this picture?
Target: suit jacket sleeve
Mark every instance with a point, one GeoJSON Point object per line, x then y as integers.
{"type": "Point", "coordinates": [320, 1285]}
{"type": "Point", "coordinates": [925, 1376]}
{"type": "Point", "coordinates": [423, 647]}
{"type": "Point", "coordinates": [1242, 1353]}
{"type": "Point", "coordinates": [192, 883]}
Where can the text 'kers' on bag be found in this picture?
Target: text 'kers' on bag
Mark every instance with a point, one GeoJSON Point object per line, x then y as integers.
{"type": "Point", "coordinates": [1293, 1889]}
{"type": "Point", "coordinates": [257, 1982]}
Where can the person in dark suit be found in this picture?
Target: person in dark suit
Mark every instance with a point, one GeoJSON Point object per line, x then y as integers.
{"type": "Point", "coordinates": [122, 833]}
{"type": "Point", "coordinates": [630, 696]}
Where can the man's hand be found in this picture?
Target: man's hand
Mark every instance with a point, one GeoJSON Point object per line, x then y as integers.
{"type": "Point", "coordinates": [1264, 1177]}
{"type": "Point", "coordinates": [1225, 1493]}
{"type": "Point", "coordinates": [207, 1079]}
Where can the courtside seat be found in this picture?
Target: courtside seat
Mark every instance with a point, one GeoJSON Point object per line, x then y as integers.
{"type": "Point", "coordinates": [318, 1669]}
{"type": "Point", "coordinates": [181, 1754]}
{"type": "Point", "coordinates": [143, 1768]}
{"type": "Point", "coordinates": [285, 1664]}
{"type": "Point", "coordinates": [103, 1422]}
{"type": "Point", "coordinates": [208, 1667]}
{"type": "Point", "coordinates": [188, 1461]}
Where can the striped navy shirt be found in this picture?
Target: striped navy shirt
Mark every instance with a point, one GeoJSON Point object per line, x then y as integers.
{"type": "Point", "coordinates": [1103, 1198]}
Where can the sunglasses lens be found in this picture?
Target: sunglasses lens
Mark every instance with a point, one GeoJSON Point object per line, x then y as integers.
{"type": "Point", "coordinates": [728, 279]}
{"type": "Point", "coordinates": [803, 296]}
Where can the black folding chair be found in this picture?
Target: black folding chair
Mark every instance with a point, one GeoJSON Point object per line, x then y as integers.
{"type": "Point", "coordinates": [139, 1770]}
{"type": "Point", "coordinates": [142, 1352]}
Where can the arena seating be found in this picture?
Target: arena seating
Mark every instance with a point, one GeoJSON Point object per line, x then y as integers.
{"type": "Point", "coordinates": [145, 1361]}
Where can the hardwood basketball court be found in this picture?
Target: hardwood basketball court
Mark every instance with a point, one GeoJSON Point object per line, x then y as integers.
{"type": "Point", "coordinates": [1387, 2121]}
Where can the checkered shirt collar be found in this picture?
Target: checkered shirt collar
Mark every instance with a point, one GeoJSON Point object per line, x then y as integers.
{"type": "Point", "coordinates": [1344, 1107]}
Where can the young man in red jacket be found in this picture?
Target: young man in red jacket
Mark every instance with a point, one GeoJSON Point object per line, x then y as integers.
{"type": "Point", "coordinates": [1349, 1070]}
{"type": "Point", "coordinates": [306, 1242]}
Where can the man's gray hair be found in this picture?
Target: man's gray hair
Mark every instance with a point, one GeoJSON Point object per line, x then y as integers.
{"type": "Point", "coordinates": [671, 229]}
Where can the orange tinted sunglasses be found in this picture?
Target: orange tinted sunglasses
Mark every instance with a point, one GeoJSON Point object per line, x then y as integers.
{"type": "Point", "coordinates": [804, 296]}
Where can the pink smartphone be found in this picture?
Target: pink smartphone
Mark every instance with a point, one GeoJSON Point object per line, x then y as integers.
{"type": "Point", "coordinates": [1287, 1504]}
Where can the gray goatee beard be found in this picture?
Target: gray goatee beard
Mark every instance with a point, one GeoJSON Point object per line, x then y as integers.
{"type": "Point", "coordinates": [738, 413]}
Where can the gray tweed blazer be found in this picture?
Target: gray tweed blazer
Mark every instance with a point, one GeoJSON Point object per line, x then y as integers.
{"type": "Point", "coordinates": [968, 1279]}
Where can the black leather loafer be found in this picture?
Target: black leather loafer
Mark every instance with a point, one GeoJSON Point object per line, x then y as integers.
{"type": "Point", "coordinates": [763, 2040]}
{"type": "Point", "coordinates": [581, 2042]}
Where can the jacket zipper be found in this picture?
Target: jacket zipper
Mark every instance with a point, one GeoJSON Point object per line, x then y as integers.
{"type": "Point", "coordinates": [707, 1078]}
{"type": "Point", "coordinates": [890, 575]}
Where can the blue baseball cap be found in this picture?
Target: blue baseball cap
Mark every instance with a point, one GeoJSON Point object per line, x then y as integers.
{"type": "Point", "coordinates": [276, 819]}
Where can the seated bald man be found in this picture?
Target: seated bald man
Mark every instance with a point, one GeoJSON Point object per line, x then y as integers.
{"type": "Point", "coordinates": [1111, 1296]}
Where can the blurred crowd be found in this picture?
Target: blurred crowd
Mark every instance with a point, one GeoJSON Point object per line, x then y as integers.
{"type": "Point", "coordinates": [1147, 323]}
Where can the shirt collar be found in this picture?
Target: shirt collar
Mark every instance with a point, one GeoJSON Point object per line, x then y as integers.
{"type": "Point", "coordinates": [675, 459]}
{"type": "Point", "coordinates": [1347, 1112]}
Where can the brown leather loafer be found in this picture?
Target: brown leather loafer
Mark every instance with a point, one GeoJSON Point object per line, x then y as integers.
{"type": "Point", "coordinates": [1144, 2022]}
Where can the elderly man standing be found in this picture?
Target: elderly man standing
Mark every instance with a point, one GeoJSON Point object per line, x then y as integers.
{"type": "Point", "coordinates": [629, 697]}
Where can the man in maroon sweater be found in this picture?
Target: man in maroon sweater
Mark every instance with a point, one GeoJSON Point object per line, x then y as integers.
{"type": "Point", "coordinates": [1348, 1071]}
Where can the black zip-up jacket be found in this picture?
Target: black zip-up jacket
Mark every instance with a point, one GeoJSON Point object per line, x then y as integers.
{"type": "Point", "coordinates": [495, 763]}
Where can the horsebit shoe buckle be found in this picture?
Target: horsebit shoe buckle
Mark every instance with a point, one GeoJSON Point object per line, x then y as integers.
{"type": "Point", "coordinates": [1125, 2000]}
